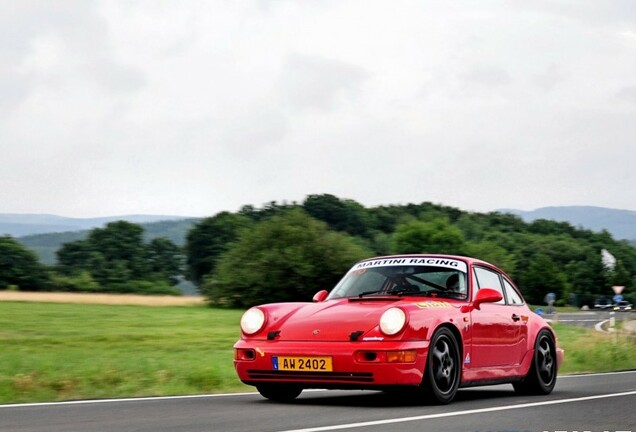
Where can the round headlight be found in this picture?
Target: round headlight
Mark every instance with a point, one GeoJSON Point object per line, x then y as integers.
{"type": "Point", "coordinates": [392, 321]}
{"type": "Point", "coordinates": [252, 321]}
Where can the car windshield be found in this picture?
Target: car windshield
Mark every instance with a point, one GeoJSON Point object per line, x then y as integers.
{"type": "Point", "coordinates": [406, 280]}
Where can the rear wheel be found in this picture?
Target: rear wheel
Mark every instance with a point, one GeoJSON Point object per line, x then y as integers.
{"type": "Point", "coordinates": [442, 374]}
{"type": "Point", "coordinates": [279, 392]}
{"type": "Point", "coordinates": [541, 377]}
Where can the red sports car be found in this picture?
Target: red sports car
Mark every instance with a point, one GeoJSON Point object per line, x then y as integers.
{"type": "Point", "coordinates": [429, 323]}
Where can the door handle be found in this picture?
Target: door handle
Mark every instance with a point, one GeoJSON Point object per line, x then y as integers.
{"type": "Point", "coordinates": [515, 317]}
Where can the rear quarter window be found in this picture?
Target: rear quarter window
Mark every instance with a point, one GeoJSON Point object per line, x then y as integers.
{"type": "Point", "coordinates": [513, 297]}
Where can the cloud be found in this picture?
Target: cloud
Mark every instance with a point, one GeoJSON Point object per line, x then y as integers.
{"type": "Point", "coordinates": [315, 82]}
{"type": "Point", "coordinates": [488, 76]}
{"type": "Point", "coordinates": [196, 107]}
{"type": "Point", "coordinates": [550, 78]}
{"type": "Point", "coordinates": [253, 130]}
{"type": "Point", "coordinates": [14, 89]}
{"type": "Point", "coordinates": [53, 46]}
{"type": "Point", "coordinates": [627, 94]}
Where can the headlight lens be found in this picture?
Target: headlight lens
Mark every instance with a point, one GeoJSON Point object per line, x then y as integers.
{"type": "Point", "coordinates": [252, 321]}
{"type": "Point", "coordinates": [392, 321]}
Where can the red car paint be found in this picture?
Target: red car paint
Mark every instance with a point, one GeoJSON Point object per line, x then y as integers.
{"type": "Point", "coordinates": [495, 342]}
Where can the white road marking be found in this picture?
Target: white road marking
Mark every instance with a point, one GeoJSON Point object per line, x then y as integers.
{"type": "Point", "coordinates": [140, 399]}
{"type": "Point", "coordinates": [578, 313]}
{"type": "Point", "coordinates": [596, 374]}
{"type": "Point", "coordinates": [457, 413]}
{"type": "Point", "coordinates": [599, 326]}
{"type": "Point", "coordinates": [215, 395]}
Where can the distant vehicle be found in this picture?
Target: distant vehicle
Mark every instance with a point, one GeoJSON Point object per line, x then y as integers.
{"type": "Point", "coordinates": [603, 303]}
{"type": "Point", "coordinates": [623, 306]}
{"type": "Point", "coordinates": [429, 323]}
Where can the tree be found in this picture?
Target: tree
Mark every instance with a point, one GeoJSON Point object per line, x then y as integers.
{"type": "Point", "coordinates": [493, 253]}
{"type": "Point", "coordinates": [122, 242]}
{"type": "Point", "coordinates": [437, 236]}
{"type": "Point", "coordinates": [285, 258]}
{"type": "Point", "coordinates": [166, 259]}
{"type": "Point", "coordinates": [20, 268]}
{"type": "Point", "coordinates": [73, 256]}
{"type": "Point", "coordinates": [542, 277]}
{"type": "Point", "coordinates": [208, 239]}
{"type": "Point", "coordinates": [504, 222]}
{"type": "Point", "coordinates": [116, 259]}
{"type": "Point", "coordinates": [341, 215]}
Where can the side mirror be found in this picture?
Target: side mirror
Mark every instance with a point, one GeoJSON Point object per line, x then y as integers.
{"type": "Point", "coordinates": [320, 296]}
{"type": "Point", "coordinates": [486, 295]}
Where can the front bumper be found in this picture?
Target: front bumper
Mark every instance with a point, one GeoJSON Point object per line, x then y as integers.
{"type": "Point", "coordinates": [355, 364]}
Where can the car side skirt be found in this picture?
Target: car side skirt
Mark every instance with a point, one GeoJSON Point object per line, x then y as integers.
{"type": "Point", "coordinates": [497, 374]}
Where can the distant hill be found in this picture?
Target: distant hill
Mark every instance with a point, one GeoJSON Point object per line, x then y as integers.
{"type": "Point", "coordinates": [18, 225]}
{"type": "Point", "coordinates": [46, 233]}
{"type": "Point", "coordinates": [620, 223]}
{"type": "Point", "coordinates": [45, 245]}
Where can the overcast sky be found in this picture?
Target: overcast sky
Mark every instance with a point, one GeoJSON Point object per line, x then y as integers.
{"type": "Point", "coordinates": [195, 107]}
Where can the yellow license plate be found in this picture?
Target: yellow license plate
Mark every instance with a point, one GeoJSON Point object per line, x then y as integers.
{"type": "Point", "coordinates": [307, 364]}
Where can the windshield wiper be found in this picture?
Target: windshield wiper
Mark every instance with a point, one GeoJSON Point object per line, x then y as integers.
{"type": "Point", "coordinates": [398, 292]}
{"type": "Point", "coordinates": [362, 294]}
{"type": "Point", "coordinates": [403, 292]}
{"type": "Point", "coordinates": [451, 294]}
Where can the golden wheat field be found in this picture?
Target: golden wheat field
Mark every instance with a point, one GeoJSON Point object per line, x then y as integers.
{"type": "Point", "coordinates": [109, 299]}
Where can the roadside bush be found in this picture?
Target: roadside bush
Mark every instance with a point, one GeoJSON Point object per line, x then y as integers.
{"type": "Point", "coordinates": [81, 282]}
{"type": "Point", "coordinates": [143, 287]}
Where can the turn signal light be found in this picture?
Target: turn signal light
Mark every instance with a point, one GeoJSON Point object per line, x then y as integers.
{"type": "Point", "coordinates": [401, 356]}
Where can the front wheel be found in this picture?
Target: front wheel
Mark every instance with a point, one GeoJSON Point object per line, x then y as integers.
{"type": "Point", "coordinates": [541, 377]}
{"type": "Point", "coordinates": [279, 392]}
{"type": "Point", "coordinates": [443, 367]}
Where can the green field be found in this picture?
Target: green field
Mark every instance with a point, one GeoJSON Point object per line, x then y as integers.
{"type": "Point", "coordinates": [51, 352]}
{"type": "Point", "coordinates": [54, 352]}
{"type": "Point", "coordinates": [590, 351]}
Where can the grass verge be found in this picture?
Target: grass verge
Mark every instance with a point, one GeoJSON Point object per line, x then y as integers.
{"type": "Point", "coordinates": [588, 350]}
{"type": "Point", "coordinates": [53, 352]}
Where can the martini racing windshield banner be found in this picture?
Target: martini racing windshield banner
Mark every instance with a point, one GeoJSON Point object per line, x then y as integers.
{"type": "Point", "coordinates": [413, 261]}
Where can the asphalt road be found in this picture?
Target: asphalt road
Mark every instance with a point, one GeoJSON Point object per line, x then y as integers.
{"type": "Point", "coordinates": [595, 403]}
{"type": "Point", "coordinates": [590, 318]}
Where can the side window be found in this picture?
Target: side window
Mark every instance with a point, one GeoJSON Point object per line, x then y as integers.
{"type": "Point", "coordinates": [514, 298]}
{"type": "Point", "coordinates": [489, 279]}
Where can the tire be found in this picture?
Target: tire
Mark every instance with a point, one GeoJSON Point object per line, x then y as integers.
{"type": "Point", "coordinates": [443, 368]}
{"type": "Point", "coordinates": [542, 375]}
{"type": "Point", "coordinates": [279, 392]}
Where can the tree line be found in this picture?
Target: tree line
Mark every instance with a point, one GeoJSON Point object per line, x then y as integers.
{"type": "Point", "coordinates": [111, 259]}
{"type": "Point", "coordinates": [288, 251]}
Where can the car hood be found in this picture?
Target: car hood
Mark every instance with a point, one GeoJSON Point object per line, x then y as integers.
{"type": "Point", "coordinates": [333, 320]}
{"type": "Point", "coordinates": [339, 320]}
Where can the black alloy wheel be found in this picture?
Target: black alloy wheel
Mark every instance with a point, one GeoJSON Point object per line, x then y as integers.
{"type": "Point", "coordinates": [443, 367]}
{"type": "Point", "coordinates": [541, 377]}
